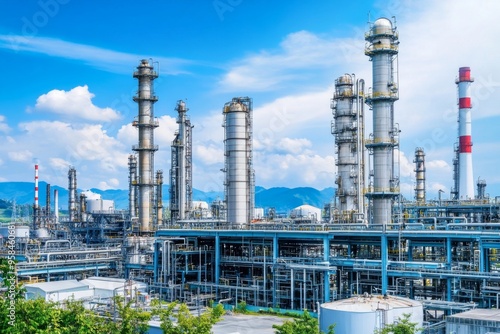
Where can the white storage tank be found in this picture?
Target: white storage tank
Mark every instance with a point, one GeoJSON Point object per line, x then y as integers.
{"type": "Point", "coordinates": [42, 233]}
{"type": "Point", "coordinates": [306, 211]}
{"type": "Point", "coordinates": [22, 231]}
{"type": "Point", "coordinates": [100, 205]}
{"type": "Point", "coordinates": [367, 313]}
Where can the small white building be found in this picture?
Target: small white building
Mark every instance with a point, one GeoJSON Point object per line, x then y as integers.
{"type": "Point", "coordinates": [107, 287]}
{"type": "Point", "coordinates": [58, 291]}
{"type": "Point", "coordinates": [93, 287]}
{"type": "Point", "coordinates": [477, 321]}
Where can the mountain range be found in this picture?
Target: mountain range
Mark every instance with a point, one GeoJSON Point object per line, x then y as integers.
{"type": "Point", "coordinates": [282, 199]}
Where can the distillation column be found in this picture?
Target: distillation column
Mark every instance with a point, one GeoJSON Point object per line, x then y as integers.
{"type": "Point", "coordinates": [159, 197]}
{"type": "Point", "coordinates": [146, 123]}
{"type": "Point", "coordinates": [239, 180]}
{"type": "Point", "coordinates": [72, 207]}
{"type": "Point", "coordinates": [181, 188]}
{"type": "Point", "coordinates": [132, 184]}
{"type": "Point", "coordinates": [419, 175]}
{"type": "Point", "coordinates": [382, 48]}
{"type": "Point", "coordinates": [348, 129]}
{"type": "Point", "coordinates": [466, 183]}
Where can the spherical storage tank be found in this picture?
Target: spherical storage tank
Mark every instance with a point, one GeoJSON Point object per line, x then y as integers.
{"type": "Point", "coordinates": [365, 314]}
{"type": "Point", "coordinates": [306, 211]}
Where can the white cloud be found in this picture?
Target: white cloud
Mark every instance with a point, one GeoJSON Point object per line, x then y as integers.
{"type": "Point", "coordinates": [302, 170]}
{"type": "Point", "coordinates": [104, 59]}
{"type": "Point", "coordinates": [58, 145]}
{"type": "Point", "coordinates": [112, 183]}
{"type": "Point", "coordinates": [209, 154]}
{"type": "Point", "coordinates": [300, 55]}
{"type": "Point", "coordinates": [21, 155]}
{"type": "Point", "coordinates": [3, 125]}
{"type": "Point", "coordinates": [76, 103]}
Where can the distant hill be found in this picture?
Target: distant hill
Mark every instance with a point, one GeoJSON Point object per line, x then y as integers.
{"type": "Point", "coordinates": [281, 198]}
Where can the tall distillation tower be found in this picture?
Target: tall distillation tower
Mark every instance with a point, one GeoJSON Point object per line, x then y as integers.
{"type": "Point", "coordinates": [465, 175]}
{"type": "Point", "coordinates": [348, 129]}
{"type": "Point", "coordinates": [72, 194]}
{"type": "Point", "coordinates": [239, 180]}
{"type": "Point", "coordinates": [181, 181]}
{"type": "Point", "coordinates": [132, 182]}
{"type": "Point", "coordinates": [146, 123]}
{"type": "Point", "coordinates": [382, 48]}
{"type": "Point", "coordinates": [419, 175]}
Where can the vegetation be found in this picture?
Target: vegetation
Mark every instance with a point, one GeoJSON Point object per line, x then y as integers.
{"type": "Point", "coordinates": [39, 316]}
{"type": "Point", "coordinates": [241, 307]}
{"type": "Point", "coordinates": [176, 319]}
{"type": "Point", "coordinates": [305, 324]}
{"type": "Point", "coordinates": [402, 326]}
{"type": "Point", "coordinates": [21, 316]}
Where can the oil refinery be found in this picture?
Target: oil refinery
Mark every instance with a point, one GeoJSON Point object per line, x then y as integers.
{"type": "Point", "coordinates": [370, 245]}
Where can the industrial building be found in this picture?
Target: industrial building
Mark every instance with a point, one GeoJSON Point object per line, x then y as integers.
{"type": "Point", "coordinates": [369, 244]}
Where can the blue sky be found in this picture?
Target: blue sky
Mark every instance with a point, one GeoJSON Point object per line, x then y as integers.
{"type": "Point", "coordinates": [67, 84]}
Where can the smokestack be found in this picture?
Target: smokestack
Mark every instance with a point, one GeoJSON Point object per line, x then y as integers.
{"type": "Point", "coordinates": [146, 123]}
{"type": "Point", "coordinates": [36, 186]}
{"type": "Point", "coordinates": [466, 179]}
{"type": "Point", "coordinates": [181, 189]}
{"type": "Point", "coordinates": [382, 49]}
{"type": "Point", "coordinates": [420, 175]}
{"type": "Point", "coordinates": [348, 129]}
{"type": "Point", "coordinates": [239, 179]}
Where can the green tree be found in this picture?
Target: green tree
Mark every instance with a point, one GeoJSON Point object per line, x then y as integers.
{"type": "Point", "coordinates": [402, 326]}
{"type": "Point", "coordinates": [306, 324]}
{"type": "Point", "coordinates": [130, 320]}
{"type": "Point", "coordinates": [177, 319]}
{"type": "Point", "coordinates": [79, 320]}
{"type": "Point", "coordinates": [42, 317]}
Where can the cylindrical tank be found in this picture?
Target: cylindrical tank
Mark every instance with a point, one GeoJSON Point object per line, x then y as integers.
{"type": "Point", "coordinates": [238, 156]}
{"type": "Point", "coordinates": [365, 314]}
{"type": "Point", "coordinates": [42, 233]}
{"type": "Point", "coordinates": [22, 231]}
{"type": "Point", "coordinates": [99, 205]}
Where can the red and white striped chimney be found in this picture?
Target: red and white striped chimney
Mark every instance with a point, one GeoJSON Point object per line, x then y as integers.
{"type": "Point", "coordinates": [36, 186]}
{"type": "Point", "coordinates": [466, 179]}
